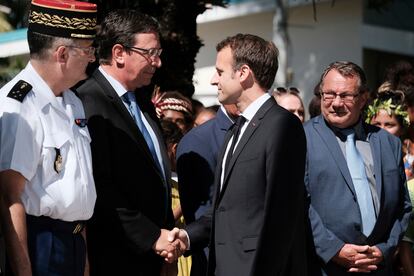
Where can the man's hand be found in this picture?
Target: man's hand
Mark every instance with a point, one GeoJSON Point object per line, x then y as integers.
{"type": "Point", "coordinates": [374, 257]}
{"type": "Point", "coordinates": [179, 234]}
{"type": "Point", "coordinates": [169, 249]}
{"type": "Point", "coordinates": [177, 237]}
{"type": "Point", "coordinates": [358, 258]}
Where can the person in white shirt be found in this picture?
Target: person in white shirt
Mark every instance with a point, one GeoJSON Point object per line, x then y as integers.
{"type": "Point", "coordinates": [46, 184]}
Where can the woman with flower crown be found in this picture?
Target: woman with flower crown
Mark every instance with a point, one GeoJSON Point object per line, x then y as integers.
{"type": "Point", "coordinates": [388, 111]}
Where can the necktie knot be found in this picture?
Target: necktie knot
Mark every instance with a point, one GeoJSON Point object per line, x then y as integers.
{"type": "Point", "coordinates": [240, 121]}
{"type": "Point", "coordinates": [129, 97]}
{"type": "Point", "coordinates": [350, 137]}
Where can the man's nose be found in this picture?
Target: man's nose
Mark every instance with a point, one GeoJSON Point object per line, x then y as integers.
{"type": "Point", "coordinates": [338, 101]}
{"type": "Point", "coordinates": [156, 61]}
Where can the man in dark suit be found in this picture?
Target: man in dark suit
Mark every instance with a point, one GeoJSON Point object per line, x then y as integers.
{"type": "Point", "coordinates": [129, 156]}
{"type": "Point", "coordinates": [257, 223]}
{"type": "Point", "coordinates": [358, 213]}
{"type": "Point", "coordinates": [196, 163]}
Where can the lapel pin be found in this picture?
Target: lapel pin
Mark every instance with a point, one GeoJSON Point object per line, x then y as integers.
{"type": "Point", "coordinates": [81, 122]}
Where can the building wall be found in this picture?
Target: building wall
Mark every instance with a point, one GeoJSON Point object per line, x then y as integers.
{"type": "Point", "coordinates": [213, 32]}
{"type": "Point", "coordinates": [336, 35]}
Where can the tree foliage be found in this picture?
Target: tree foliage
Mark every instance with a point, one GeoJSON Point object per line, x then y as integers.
{"type": "Point", "coordinates": [179, 38]}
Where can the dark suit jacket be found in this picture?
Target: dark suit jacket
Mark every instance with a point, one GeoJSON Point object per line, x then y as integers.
{"type": "Point", "coordinates": [196, 163]}
{"type": "Point", "coordinates": [133, 197]}
{"type": "Point", "coordinates": [334, 211]}
{"type": "Point", "coordinates": [258, 220]}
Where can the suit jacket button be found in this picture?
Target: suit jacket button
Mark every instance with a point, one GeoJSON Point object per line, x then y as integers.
{"type": "Point", "coordinates": [358, 227]}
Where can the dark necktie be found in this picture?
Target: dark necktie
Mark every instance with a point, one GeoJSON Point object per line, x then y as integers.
{"type": "Point", "coordinates": [133, 107]}
{"type": "Point", "coordinates": [359, 179]}
{"type": "Point", "coordinates": [235, 133]}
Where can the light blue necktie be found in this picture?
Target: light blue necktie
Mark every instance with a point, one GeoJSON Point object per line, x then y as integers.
{"type": "Point", "coordinates": [129, 98]}
{"type": "Point", "coordinates": [359, 178]}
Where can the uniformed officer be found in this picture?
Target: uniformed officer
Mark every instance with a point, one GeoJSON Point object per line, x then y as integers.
{"type": "Point", "coordinates": [46, 181]}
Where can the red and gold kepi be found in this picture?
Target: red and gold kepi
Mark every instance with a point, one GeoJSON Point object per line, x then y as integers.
{"type": "Point", "coordinates": [63, 18]}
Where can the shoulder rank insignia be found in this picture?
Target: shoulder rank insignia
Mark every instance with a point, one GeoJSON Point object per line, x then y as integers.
{"type": "Point", "coordinates": [19, 90]}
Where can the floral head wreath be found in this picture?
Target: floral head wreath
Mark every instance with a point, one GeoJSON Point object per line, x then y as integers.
{"type": "Point", "coordinates": [387, 101]}
{"type": "Point", "coordinates": [164, 101]}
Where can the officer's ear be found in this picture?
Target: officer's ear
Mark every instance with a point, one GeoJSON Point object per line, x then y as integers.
{"type": "Point", "coordinates": [61, 54]}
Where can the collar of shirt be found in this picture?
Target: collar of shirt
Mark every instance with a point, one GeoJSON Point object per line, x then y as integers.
{"type": "Point", "coordinates": [44, 95]}
{"type": "Point", "coordinates": [119, 88]}
{"type": "Point", "coordinates": [358, 128]}
{"type": "Point", "coordinates": [252, 109]}
{"type": "Point", "coordinates": [225, 113]}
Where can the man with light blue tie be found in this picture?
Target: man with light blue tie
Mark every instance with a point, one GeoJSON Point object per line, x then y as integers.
{"type": "Point", "coordinates": [359, 204]}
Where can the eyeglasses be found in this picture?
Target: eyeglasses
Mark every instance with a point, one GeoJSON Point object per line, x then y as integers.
{"type": "Point", "coordinates": [152, 52]}
{"type": "Point", "coordinates": [344, 97]}
{"type": "Point", "coordinates": [90, 51]}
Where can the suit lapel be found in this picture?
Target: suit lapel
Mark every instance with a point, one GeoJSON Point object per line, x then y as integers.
{"type": "Point", "coordinates": [331, 143]}
{"type": "Point", "coordinates": [116, 101]}
{"type": "Point", "coordinates": [376, 155]}
{"type": "Point", "coordinates": [250, 129]}
{"type": "Point", "coordinates": [132, 128]}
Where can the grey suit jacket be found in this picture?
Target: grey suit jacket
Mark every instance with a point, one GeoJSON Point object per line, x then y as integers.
{"type": "Point", "coordinates": [334, 212]}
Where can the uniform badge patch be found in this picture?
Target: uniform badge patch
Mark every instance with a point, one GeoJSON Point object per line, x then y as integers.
{"type": "Point", "coordinates": [19, 90]}
{"type": "Point", "coordinates": [58, 164]}
{"type": "Point", "coordinates": [81, 122]}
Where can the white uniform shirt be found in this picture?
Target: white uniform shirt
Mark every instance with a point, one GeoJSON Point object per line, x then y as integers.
{"type": "Point", "coordinates": [30, 133]}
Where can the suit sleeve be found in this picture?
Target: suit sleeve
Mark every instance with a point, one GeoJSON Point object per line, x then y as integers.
{"type": "Point", "coordinates": [402, 218]}
{"type": "Point", "coordinates": [327, 244]}
{"type": "Point", "coordinates": [199, 231]}
{"type": "Point", "coordinates": [281, 246]}
{"type": "Point", "coordinates": [195, 175]}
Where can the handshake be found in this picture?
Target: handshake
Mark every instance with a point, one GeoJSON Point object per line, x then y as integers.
{"type": "Point", "coordinates": [171, 244]}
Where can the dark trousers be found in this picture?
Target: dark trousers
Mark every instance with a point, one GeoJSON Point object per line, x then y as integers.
{"type": "Point", "coordinates": [2, 254]}
{"type": "Point", "coordinates": [56, 248]}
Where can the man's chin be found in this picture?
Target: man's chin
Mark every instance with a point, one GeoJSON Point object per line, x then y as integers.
{"type": "Point", "coordinates": [340, 123]}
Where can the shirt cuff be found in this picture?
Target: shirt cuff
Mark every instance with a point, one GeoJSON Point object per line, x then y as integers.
{"type": "Point", "coordinates": [188, 238]}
